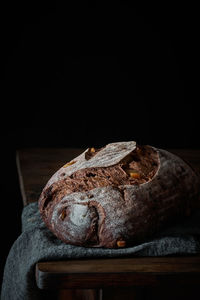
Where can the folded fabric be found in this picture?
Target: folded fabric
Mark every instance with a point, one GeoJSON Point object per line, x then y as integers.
{"type": "Point", "coordinates": [37, 243]}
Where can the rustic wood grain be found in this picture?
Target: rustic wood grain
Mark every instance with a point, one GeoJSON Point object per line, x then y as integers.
{"type": "Point", "coordinates": [36, 165]}
{"type": "Point", "coordinates": [118, 272]}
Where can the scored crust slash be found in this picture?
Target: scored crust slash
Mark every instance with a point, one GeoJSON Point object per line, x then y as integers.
{"type": "Point", "coordinates": [118, 195]}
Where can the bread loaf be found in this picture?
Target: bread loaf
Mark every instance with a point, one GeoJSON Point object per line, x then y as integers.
{"type": "Point", "coordinates": [118, 195]}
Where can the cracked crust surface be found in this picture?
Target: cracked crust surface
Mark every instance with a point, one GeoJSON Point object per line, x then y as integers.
{"type": "Point", "coordinates": [121, 192]}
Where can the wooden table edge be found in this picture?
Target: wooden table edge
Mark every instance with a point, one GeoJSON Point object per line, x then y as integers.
{"type": "Point", "coordinates": [20, 176]}
{"type": "Point", "coordinates": [146, 271]}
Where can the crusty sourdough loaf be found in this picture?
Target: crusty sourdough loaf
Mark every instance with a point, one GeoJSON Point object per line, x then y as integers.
{"type": "Point", "coordinates": [118, 195]}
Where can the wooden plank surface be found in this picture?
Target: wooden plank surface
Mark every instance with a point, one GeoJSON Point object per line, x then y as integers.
{"type": "Point", "coordinates": [36, 165]}
{"type": "Point", "coordinates": [119, 272]}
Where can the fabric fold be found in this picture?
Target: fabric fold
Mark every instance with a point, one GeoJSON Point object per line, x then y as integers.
{"type": "Point", "coordinates": [36, 243]}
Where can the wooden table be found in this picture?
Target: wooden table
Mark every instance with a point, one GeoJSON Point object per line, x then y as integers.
{"type": "Point", "coordinates": [117, 278]}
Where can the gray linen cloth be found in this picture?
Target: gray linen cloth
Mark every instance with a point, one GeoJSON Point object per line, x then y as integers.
{"type": "Point", "coordinates": [37, 243]}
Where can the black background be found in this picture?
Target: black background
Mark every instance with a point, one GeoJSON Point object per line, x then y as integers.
{"type": "Point", "coordinates": [93, 73]}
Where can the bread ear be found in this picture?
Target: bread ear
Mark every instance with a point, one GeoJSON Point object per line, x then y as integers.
{"type": "Point", "coordinates": [109, 155]}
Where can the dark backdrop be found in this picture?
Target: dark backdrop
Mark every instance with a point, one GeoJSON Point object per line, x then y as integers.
{"type": "Point", "coordinates": [91, 74]}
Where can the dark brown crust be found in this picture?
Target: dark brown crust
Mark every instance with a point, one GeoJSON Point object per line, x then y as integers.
{"type": "Point", "coordinates": [143, 161]}
{"type": "Point", "coordinates": [98, 206]}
